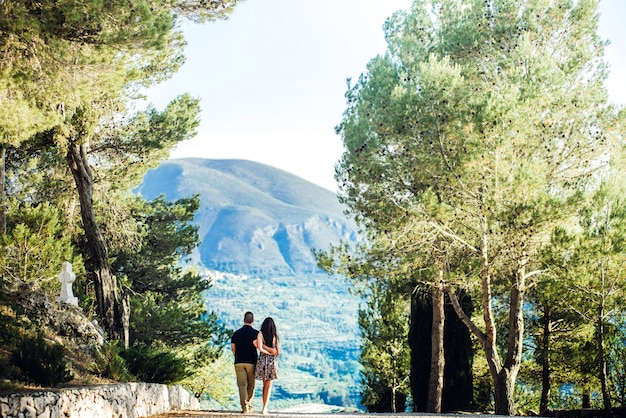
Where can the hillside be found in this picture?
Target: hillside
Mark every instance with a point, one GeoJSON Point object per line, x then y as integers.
{"type": "Point", "coordinates": [258, 225]}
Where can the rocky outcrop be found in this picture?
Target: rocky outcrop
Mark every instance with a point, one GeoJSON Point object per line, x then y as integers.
{"type": "Point", "coordinates": [123, 400]}
{"type": "Point", "coordinates": [62, 319]}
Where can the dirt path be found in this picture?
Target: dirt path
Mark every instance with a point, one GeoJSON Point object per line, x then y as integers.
{"type": "Point", "coordinates": [233, 414]}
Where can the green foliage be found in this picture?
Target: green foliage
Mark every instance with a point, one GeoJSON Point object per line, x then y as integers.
{"type": "Point", "coordinates": [465, 143]}
{"type": "Point", "coordinates": [10, 332]}
{"type": "Point", "coordinates": [385, 354]}
{"type": "Point", "coordinates": [128, 147]}
{"type": "Point", "coordinates": [35, 245]}
{"type": "Point", "coordinates": [4, 368]}
{"type": "Point", "coordinates": [57, 55]}
{"type": "Point", "coordinates": [527, 399]}
{"type": "Point", "coordinates": [9, 326]}
{"type": "Point", "coordinates": [155, 365]}
{"type": "Point", "coordinates": [69, 74]}
{"type": "Point", "coordinates": [482, 384]}
{"type": "Point", "coordinates": [75, 71]}
{"type": "Point", "coordinates": [167, 305]}
{"type": "Point", "coordinates": [40, 362]}
{"type": "Point", "coordinates": [616, 353]}
{"type": "Point", "coordinates": [213, 380]}
{"type": "Point", "coordinates": [109, 363]}
{"type": "Point", "coordinates": [582, 290]}
{"type": "Point", "coordinates": [150, 241]}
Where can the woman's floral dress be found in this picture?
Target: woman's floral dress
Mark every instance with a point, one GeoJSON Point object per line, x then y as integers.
{"type": "Point", "coordinates": [266, 367]}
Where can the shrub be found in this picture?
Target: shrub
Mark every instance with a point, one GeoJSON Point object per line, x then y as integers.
{"type": "Point", "coordinates": [41, 363]}
{"type": "Point", "coordinates": [35, 245]}
{"type": "Point", "coordinates": [109, 363]}
{"type": "Point", "coordinates": [4, 367]}
{"type": "Point", "coordinates": [9, 328]}
{"type": "Point", "coordinates": [155, 365]}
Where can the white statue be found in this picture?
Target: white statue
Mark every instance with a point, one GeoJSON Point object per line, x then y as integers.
{"type": "Point", "coordinates": [67, 277]}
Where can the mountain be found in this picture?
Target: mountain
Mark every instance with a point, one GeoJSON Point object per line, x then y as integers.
{"type": "Point", "coordinates": [258, 225]}
{"type": "Point", "coordinates": [254, 219]}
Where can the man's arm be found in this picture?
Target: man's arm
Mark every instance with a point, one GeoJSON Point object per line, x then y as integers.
{"type": "Point", "coordinates": [232, 347]}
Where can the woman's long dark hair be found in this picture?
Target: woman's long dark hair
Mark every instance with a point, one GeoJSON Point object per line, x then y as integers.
{"type": "Point", "coordinates": [268, 329]}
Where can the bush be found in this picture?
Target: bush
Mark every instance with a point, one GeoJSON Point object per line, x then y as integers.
{"type": "Point", "coordinates": [4, 367]}
{"type": "Point", "coordinates": [9, 328]}
{"type": "Point", "coordinates": [155, 365]}
{"type": "Point", "coordinates": [41, 363]}
{"type": "Point", "coordinates": [35, 245]}
{"type": "Point", "coordinates": [109, 363]}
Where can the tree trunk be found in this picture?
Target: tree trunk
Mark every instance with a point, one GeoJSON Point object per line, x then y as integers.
{"type": "Point", "coordinates": [505, 383]}
{"type": "Point", "coordinates": [545, 360]}
{"type": "Point", "coordinates": [435, 384]}
{"type": "Point", "coordinates": [393, 396]}
{"type": "Point", "coordinates": [503, 393]}
{"type": "Point", "coordinates": [606, 397]}
{"type": "Point", "coordinates": [504, 374]}
{"type": "Point", "coordinates": [503, 380]}
{"type": "Point", "coordinates": [3, 193]}
{"type": "Point", "coordinates": [109, 307]}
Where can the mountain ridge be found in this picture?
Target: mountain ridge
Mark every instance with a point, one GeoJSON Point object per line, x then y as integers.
{"type": "Point", "coordinates": [253, 218]}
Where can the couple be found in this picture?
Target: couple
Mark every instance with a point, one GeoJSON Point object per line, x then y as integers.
{"type": "Point", "coordinates": [248, 364]}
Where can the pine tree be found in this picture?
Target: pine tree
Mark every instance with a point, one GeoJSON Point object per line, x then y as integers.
{"type": "Point", "coordinates": [477, 130]}
{"type": "Point", "coordinates": [69, 66]}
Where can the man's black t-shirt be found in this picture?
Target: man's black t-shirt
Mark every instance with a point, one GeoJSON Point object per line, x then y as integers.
{"type": "Point", "coordinates": [245, 351]}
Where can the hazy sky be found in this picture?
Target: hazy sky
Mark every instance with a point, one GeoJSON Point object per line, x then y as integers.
{"type": "Point", "coordinates": [272, 78]}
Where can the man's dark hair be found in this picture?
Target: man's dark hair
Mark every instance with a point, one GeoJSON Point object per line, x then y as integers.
{"type": "Point", "coordinates": [248, 318]}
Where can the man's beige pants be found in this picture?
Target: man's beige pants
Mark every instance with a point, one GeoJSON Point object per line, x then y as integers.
{"type": "Point", "coordinates": [245, 383]}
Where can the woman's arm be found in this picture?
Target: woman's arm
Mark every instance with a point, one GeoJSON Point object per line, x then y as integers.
{"type": "Point", "coordinates": [259, 343]}
{"type": "Point", "coordinates": [272, 351]}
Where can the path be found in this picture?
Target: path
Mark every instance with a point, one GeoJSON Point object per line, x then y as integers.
{"type": "Point", "coordinates": [233, 414]}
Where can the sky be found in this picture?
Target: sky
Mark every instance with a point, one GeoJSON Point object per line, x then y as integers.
{"type": "Point", "coordinates": [272, 77]}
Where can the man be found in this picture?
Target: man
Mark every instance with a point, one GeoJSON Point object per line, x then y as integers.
{"type": "Point", "coordinates": [244, 350]}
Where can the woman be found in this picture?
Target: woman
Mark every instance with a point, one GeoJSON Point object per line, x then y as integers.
{"type": "Point", "coordinates": [267, 365]}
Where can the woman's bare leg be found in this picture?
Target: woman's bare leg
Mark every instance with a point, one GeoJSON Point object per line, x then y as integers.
{"type": "Point", "coordinates": [267, 390]}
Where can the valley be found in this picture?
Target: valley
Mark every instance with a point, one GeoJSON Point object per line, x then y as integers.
{"type": "Point", "coordinates": [316, 318]}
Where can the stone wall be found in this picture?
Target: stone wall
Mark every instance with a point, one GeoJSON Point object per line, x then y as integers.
{"type": "Point", "coordinates": [123, 400]}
